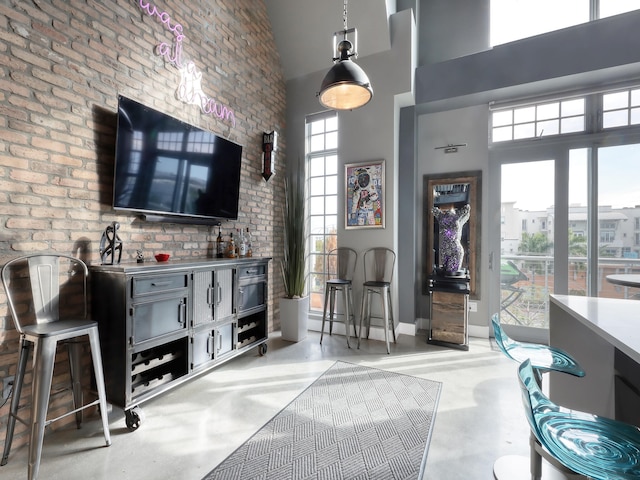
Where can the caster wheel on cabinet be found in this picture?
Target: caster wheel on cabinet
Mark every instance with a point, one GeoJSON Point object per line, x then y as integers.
{"type": "Point", "coordinates": [133, 418]}
{"type": "Point", "coordinates": [262, 349]}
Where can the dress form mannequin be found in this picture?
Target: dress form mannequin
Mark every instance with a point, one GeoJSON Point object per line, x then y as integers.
{"type": "Point", "coordinates": [451, 222]}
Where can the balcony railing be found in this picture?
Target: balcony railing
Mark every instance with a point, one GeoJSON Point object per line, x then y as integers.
{"type": "Point", "coordinates": [527, 280]}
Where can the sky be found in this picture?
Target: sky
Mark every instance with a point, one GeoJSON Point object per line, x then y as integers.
{"type": "Point", "coordinates": [530, 185]}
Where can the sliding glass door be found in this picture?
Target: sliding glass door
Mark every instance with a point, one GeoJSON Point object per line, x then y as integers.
{"type": "Point", "coordinates": [569, 217]}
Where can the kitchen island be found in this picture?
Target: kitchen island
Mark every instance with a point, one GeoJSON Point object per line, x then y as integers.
{"type": "Point", "coordinates": [603, 335]}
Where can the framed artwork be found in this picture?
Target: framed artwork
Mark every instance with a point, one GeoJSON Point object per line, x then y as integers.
{"type": "Point", "coordinates": [364, 195]}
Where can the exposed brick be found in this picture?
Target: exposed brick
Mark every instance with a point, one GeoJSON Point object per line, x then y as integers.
{"type": "Point", "coordinates": [62, 65]}
{"type": "Point", "coordinates": [49, 32]}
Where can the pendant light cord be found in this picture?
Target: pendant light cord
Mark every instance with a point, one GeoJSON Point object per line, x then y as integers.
{"type": "Point", "coordinates": [344, 16]}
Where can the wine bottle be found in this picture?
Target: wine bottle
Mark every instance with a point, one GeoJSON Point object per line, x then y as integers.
{"type": "Point", "coordinates": [219, 244]}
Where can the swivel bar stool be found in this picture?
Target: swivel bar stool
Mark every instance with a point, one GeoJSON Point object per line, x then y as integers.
{"type": "Point", "coordinates": [588, 445]}
{"type": "Point", "coordinates": [545, 358]}
{"type": "Point", "coordinates": [41, 291]}
{"type": "Point", "coordinates": [342, 265]}
{"type": "Point", "coordinates": [379, 263]}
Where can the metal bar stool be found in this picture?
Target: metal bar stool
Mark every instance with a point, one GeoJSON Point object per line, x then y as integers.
{"type": "Point", "coordinates": [38, 319]}
{"type": "Point", "coordinates": [588, 445]}
{"type": "Point", "coordinates": [379, 263]}
{"type": "Point", "coordinates": [546, 359]}
{"type": "Point", "coordinates": [341, 267]}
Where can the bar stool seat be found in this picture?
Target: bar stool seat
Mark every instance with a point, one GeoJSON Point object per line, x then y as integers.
{"type": "Point", "coordinates": [586, 444]}
{"type": "Point", "coordinates": [546, 359]}
{"type": "Point", "coordinates": [379, 263]}
{"type": "Point", "coordinates": [41, 329]}
{"type": "Point", "coordinates": [341, 263]}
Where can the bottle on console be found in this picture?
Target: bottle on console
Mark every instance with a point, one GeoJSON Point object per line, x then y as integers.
{"type": "Point", "coordinates": [231, 248]}
{"type": "Point", "coordinates": [219, 244]}
{"type": "Point", "coordinates": [242, 244]}
{"type": "Point", "coordinates": [248, 239]}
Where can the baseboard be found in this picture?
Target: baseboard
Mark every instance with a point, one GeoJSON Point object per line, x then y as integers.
{"type": "Point", "coordinates": [377, 332]}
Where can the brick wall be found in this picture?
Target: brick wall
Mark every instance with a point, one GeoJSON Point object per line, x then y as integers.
{"type": "Point", "coordinates": [62, 65]}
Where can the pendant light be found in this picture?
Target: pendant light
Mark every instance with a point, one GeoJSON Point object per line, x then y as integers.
{"type": "Point", "coordinates": [345, 86]}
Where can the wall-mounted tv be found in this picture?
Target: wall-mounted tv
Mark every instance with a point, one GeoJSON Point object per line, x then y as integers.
{"type": "Point", "coordinates": [166, 169]}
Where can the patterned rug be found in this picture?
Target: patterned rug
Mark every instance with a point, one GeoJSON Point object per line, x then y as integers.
{"type": "Point", "coordinates": [353, 422]}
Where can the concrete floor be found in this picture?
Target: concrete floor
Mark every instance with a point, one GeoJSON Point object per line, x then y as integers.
{"type": "Point", "coordinates": [192, 428]}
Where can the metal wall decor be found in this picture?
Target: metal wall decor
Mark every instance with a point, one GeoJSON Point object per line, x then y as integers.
{"type": "Point", "coordinates": [364, 195]}
{"type": "Point", "coordinates": [110, 245]}
{"type": "Point", "coordinates": [269, 147]}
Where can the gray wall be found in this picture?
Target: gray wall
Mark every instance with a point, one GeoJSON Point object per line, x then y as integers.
{"type": "Point", "coordinates": [457, 78]}
{"type": "Point", "coordinates": [367, 134]}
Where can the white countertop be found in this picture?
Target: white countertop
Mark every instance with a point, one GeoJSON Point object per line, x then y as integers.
{"type": "Point", "coordinates": [615, 320]}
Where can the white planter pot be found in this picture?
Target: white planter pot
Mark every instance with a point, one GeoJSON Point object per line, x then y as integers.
{"type": "Point", "coordinates": [294, 318]}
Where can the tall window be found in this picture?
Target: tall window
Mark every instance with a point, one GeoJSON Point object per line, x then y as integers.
{"type": "Point", "coordinates": [512, 20]}
{"type": "Point", "coordinates": [322, 188]}
{"type": "Point", "coordinates": [589, 230]}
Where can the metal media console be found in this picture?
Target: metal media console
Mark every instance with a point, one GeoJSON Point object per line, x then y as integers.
{"type": "Point", "coordinates": [163, 323]}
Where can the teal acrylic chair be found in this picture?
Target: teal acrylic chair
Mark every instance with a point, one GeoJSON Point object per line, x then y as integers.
{"type": "Point", "coordinates": [545, 358]}
{"type": "Point", "coordinates": [588, 445]}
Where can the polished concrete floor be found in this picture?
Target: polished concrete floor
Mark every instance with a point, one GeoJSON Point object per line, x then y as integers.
{"type": "Point", "coordinates": [192, 428]}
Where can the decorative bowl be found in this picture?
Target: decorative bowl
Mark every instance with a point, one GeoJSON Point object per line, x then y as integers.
{"type": "Point", "coordinates": [162, 257]}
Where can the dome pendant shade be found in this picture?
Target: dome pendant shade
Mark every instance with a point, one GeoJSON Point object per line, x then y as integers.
{"type": "Point", "coordinates": [345, 87]}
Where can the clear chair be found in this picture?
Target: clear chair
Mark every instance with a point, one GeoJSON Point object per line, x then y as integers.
{"type": "Point", "coordinates": [543, 357]}
{"type": "Point", "coordinates": [586, 444]}
{"type": "Point", "coordinates": [342, 265]}
{"type": "Point", "coordinates": [546, 359]}
{"type": "Point", "coordinates": [379, 263]}
{"type": "Point", "coordinates": [43, 292]}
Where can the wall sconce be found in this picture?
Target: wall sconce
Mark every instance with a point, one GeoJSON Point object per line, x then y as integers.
{"type": "Point", "coordinates": [269, 147]}
{"type": "Point", "coordinates": [346, 85]}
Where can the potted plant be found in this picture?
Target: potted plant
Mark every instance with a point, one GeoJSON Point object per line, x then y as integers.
{"type": "Point", "coordinates": [294, 307]}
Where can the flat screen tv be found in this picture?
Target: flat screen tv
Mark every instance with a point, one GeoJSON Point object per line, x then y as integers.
{"type": "Point", "coordinates": [166, 169]}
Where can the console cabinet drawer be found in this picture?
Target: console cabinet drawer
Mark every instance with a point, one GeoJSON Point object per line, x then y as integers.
{"type": "Point", "coordinates": [159, 284]}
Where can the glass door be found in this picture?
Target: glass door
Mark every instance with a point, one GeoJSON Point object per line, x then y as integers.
{"type": "Point", "coordinates": [569, 218]}
{"type": "Point", "coordinates": [528, 258]}
{"type": "Point", "coordinates": [527, 211]}
{"type": "Point", "coordinates": [618, 246]}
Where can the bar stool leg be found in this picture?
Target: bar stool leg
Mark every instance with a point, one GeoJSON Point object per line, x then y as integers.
{"type": "Point", "coordinates": [393, 326]}
{"type": "Point", "coordinates": [347, 313]}
{"type": "Point", "coordinates": [352, 311]}
{"type": "Point", "coordinates": [73, 347]}
{"type": "Point", "coordinates": [535, 459]}
{"type": "Point", "coordinates": [25, 349]}
{"type": "Point", "coordinates": [332, 308]}
{"type": "Point", "coordinates": [43, 360]}
{"type": "Point", "coordinates": [96, 356]}
{"type": "Point", "coordinates": [327, 289]}
{"type": "Point", "coordinates": [385, 310]}
{"type": "Point", "coordinates": [362, 314]}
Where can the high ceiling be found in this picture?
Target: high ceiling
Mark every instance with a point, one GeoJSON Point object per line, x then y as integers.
{"type": "Point", "coordinates": [303, 30]}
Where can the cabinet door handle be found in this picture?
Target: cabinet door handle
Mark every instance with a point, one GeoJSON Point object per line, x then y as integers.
{"type": "Point", "coordinates": [240, 297]}
{"type": "Point", "coordinates": [210, 345]}
{"type": "Point", "coordinates": [182, 314]}
{"type": "Point", "coordinates": [210, 295]}
{"type": "Point", "coordinates": [219, 342]}
{"type": "Point", "coordinates": [219, 299]}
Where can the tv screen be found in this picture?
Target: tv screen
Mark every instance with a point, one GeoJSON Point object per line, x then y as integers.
{"type": "Point", "coordinates": [165, 167]}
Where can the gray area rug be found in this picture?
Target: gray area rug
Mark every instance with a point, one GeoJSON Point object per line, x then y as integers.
{"type": "Point", "coordinates": [353, 422]}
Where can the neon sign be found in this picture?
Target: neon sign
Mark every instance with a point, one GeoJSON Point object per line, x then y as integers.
{"type": "Point", "coordinates": [190, 87]}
